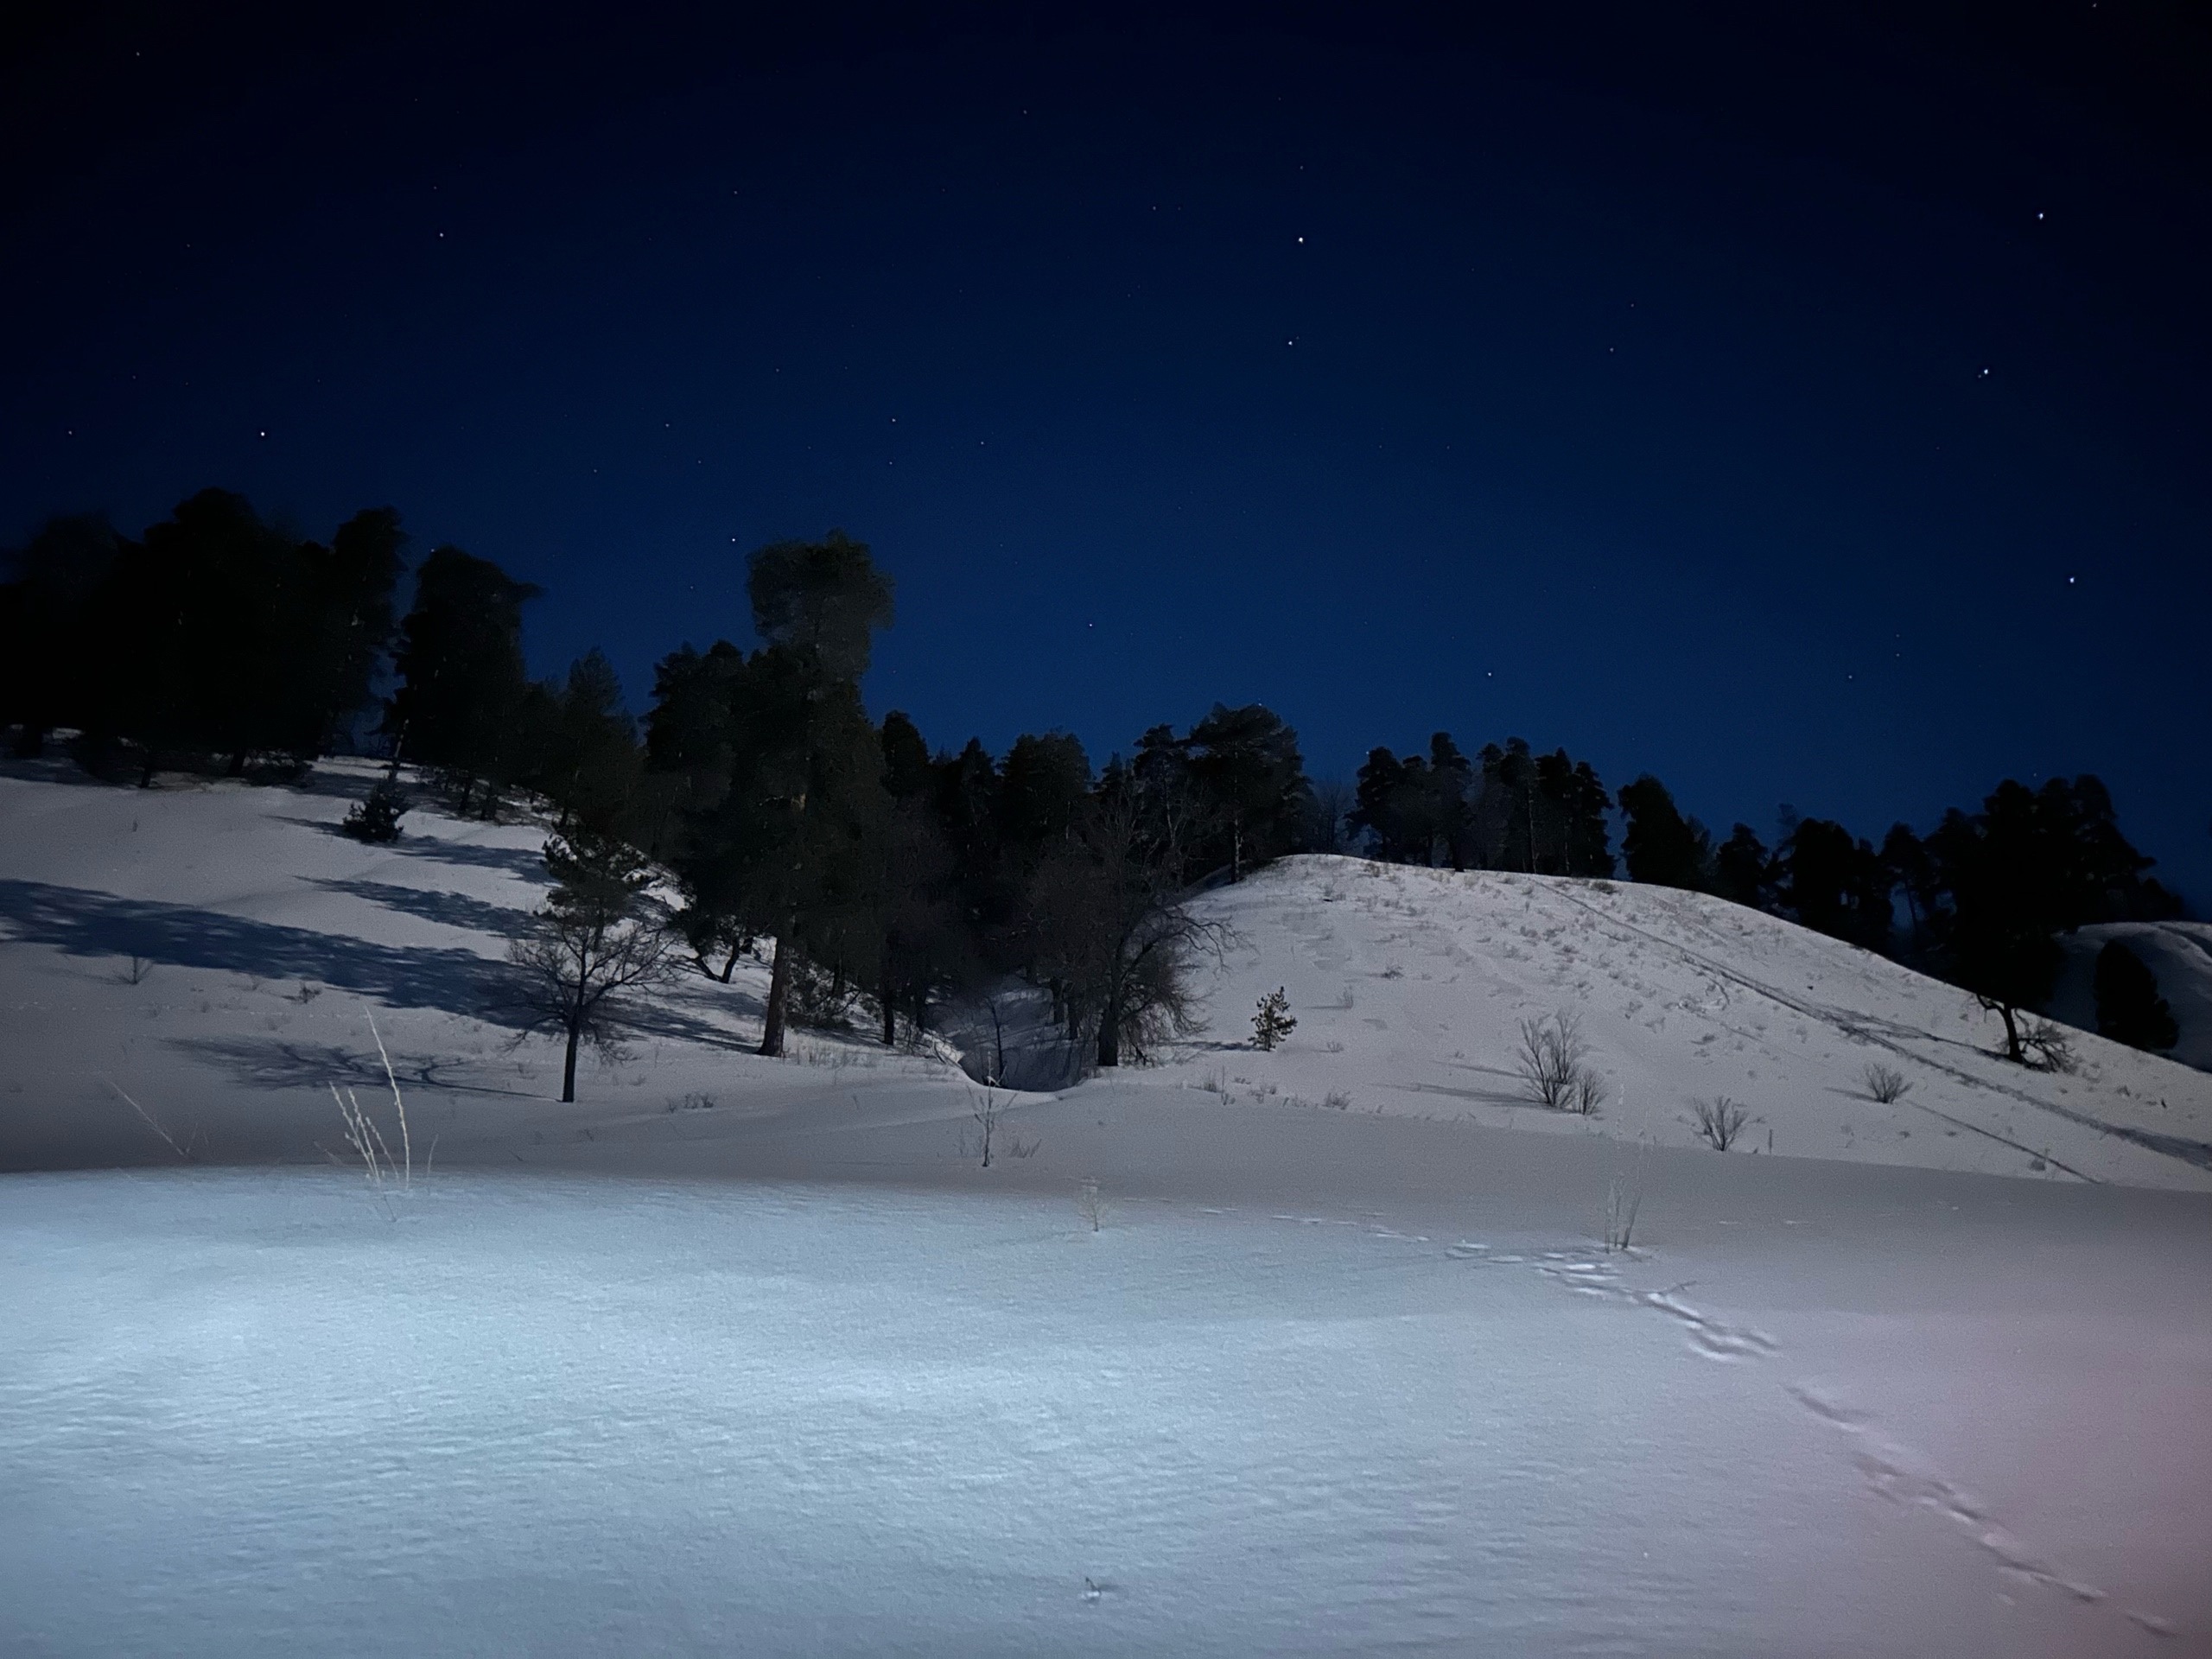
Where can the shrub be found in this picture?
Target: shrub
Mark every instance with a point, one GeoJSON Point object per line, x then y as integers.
{"type": "Point", "coordinates": [377, 818]}
{"type": "Point", "coordinates": [1719, 1120]}
{"type": "Point", "coordinates": [1886, 1083]}
{"type": "Point", "coordinates": [1553, 1061]}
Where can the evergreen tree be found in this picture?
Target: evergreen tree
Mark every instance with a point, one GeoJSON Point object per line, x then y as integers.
{"type": "Point", "coordinates": [1506, 814]}
{"type": "Point", "coordinates": [794, 849]}
{"type": "Point", "coordinates": [1911, 872]}
{"type": "Point", "coordinates": [906, 771]}
{"type": "Point", "coordinates": [461, 702]}
{"type": "Point", "coordinates": [589, 764]}
{"type": "Point", "coordinates": [1835, 885]}
{"type": "Point", "coordinates": [347, 622]}
{"type": "Point", "coordinates": [1450, 815]}
{"type": "Point", "coordinates": [1374, 808]}
{"type": "Point", "coordinates": [1661, 846]}
{"type": "Point", "coordinates": [1743, 870]}
{"type": "Point", "coordinates": [688, 755]}
{"type": "Point", "coordinates": [49, 666]}
{"type": "Point", "coordinates": [1245, 765]}
{"type": "Point", "coordinates": [2129, 1008]}
{"type": "Point", "coordinates": [1573, 837]}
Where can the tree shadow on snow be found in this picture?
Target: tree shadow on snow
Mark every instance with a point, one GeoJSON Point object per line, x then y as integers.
{"type": "Point", "coordinates": [273, 1063]}
{"type": "Point", "coordinates": [431, 905]}
{"type": "Point", "coordinates": [85, 923]}
{"type": "Point", "coordinates": [525, 861]}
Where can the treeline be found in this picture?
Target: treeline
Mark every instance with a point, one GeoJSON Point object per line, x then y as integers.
{"type": "Point", "coordinates": [878, 864]}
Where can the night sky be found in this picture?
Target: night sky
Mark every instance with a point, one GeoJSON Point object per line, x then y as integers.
{"type": "Point", "coordinates": [1809, 411]}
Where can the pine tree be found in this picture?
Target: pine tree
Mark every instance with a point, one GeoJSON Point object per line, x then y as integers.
{"type": "Point", "coordinates": [1245, 765]}
{"type": "Point", "coordinates": [792, 851]}
{"type": "Point", "coordinates": [2129, 1008]}
{"type": "Point", "coordinates": [1743, 870]}
{"type": "Point", "coordinates": [1661, 846]}
{"type": "Point", "coordinates": [463, 692]}
{"type": "Point", "coordinates": [1271, 1020]}
{"type": "Point", "coordinates": [1834, 884]}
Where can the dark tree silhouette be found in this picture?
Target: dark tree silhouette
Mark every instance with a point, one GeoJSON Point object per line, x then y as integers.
{"type": "Point", "coordinates": [462, 695]}
{"type": "Point", "coordinates": [2129, 1008]}
{"type": "Point", "coordinates": [1661, 846]}
{"type": "Point", "coordinates": [1743, 869]}
{"type": "Point", "coordinates": [1834, 884]}
{"type": "Point", "coordinates": [1251, 781]}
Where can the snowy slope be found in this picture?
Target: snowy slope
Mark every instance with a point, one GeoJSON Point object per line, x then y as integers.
{"type": "Point", "coordinates": [1409, 986]}
{"type": "Point", "coordinates": [2178, 953]}
{"type": "Point", "coordinates": [266, 942]}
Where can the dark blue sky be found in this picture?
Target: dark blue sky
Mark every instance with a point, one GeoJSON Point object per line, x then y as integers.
{"type": "Point", "coordinates": [1810, 412]}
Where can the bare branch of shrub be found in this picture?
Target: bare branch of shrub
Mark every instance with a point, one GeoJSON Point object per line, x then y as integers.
{"type": "Point", "coordinates": [1886, 1083]}
{"type": "Point", "coordinates": [1719, 1120]}
{"type": "Point", "coordinates": [1554, 1065]}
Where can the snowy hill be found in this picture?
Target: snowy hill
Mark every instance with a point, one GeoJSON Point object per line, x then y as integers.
{"type": "Point", "coordinates": [213, 952]}
{"type": "Point", "coordinates": [2178, 953]}
{"type": "Point", "coordinates": [1410, 985]}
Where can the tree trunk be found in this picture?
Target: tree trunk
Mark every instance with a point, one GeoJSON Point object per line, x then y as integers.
{"type": "Point", "coordinates": [888, 996]}
{"type": "Point", "coordinates": [779, 991]}
{"type": "Point", "coordinates": [1236, 847]}
{"type": "Point", "coordinates": [237, 764]}
{"type": "Point", "coordinates": [2012, 1031]}
{"type": "Point", "coordinates": [568, 1067]}
{"type": "Point", "coordinates": [730, 967]}
{"type": "Point", "coordinates": [1110, 1034]}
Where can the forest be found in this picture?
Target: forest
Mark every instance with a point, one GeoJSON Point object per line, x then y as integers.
{"type": "Point", "coordinates": [883, 866]}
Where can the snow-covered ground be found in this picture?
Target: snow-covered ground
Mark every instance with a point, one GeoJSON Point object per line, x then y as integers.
{"type": "Point", "coordinates": [740, 1353]}
{"type": "Point", "coordinates": [250, 1413]}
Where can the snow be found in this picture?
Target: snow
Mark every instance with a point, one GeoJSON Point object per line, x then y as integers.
{"type": "Point", "coordinates": [253, 1414]}
{"type": "Point", "coordinates": [743, 1353]}
{"type": "Point", "coordinates": [1409, 987]}
{"type": "Point", "coordinates": [2178, 953]}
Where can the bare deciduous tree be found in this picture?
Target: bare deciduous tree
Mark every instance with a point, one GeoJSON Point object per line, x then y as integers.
{"type": "Point", "coordinates": [597, 937]}
{"type": "Point", "coordinates": [1111, 922]}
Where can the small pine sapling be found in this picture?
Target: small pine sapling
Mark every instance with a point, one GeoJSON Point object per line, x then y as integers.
{"type": "Point", "coordinates": [1271, 1022]}
{"type": "Point", "coordinates": [377, 818]}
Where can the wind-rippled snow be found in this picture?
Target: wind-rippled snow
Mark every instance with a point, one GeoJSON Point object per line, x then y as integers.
{"type": "Point", "coordinates": [248, 1413]}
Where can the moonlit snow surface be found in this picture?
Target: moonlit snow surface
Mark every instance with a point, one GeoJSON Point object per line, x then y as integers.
{"type": "Point", "coordinates": [252, 1413]}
